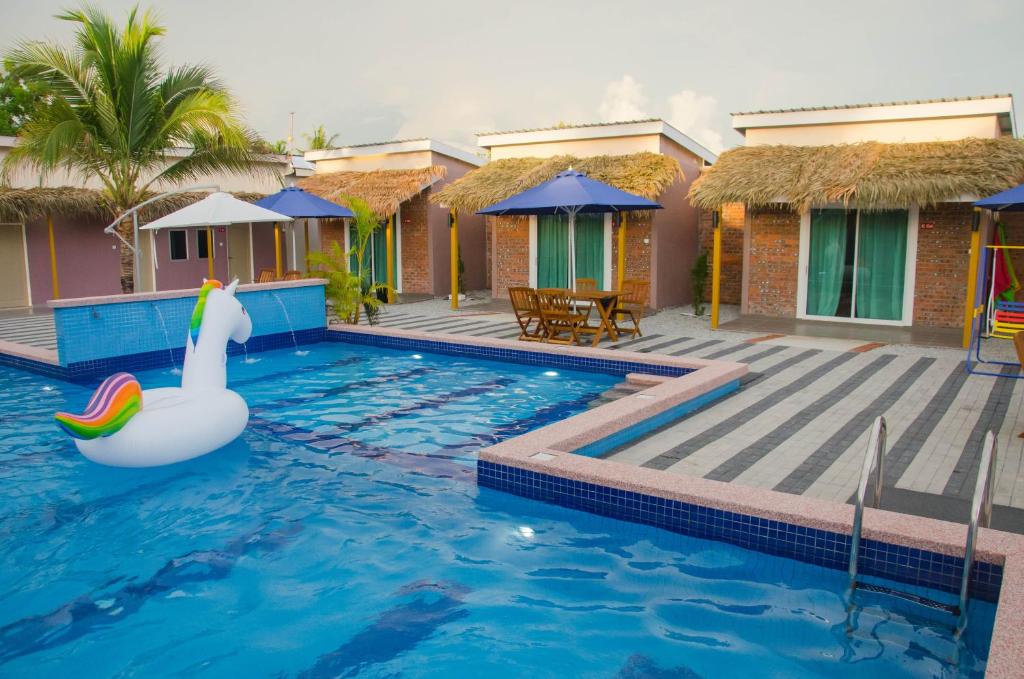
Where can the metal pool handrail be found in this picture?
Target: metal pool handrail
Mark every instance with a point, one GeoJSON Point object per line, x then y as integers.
{"type": "Point", "coordinates": [981, 517]}
{"type": "Point", "coordinates": [871, 473]}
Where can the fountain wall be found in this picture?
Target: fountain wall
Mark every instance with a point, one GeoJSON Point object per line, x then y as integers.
{"type": "Point", "coordinates": [100, 335]}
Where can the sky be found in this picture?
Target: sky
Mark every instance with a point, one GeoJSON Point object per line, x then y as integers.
{"type": "Point", "coordinates": [372, 71]}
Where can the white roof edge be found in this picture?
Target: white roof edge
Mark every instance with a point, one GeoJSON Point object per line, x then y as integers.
{"type": "Point", "coordinates": [879, 113]}
{"type": "Point", "coordinates": [397, 147]}
{"type": "Point", "coordinates": [597, 132]}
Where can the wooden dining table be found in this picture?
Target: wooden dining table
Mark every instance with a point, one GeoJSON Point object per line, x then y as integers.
{"type": "Point", "coordinates": [605, 301]}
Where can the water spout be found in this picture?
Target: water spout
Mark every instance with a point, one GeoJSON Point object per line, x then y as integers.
{"type": "Point", "coordinates": [245, 350]}
{"type": "Point", "coordinates": [175, 370]}
{"type": "Point", "coordinates": [288, 320]}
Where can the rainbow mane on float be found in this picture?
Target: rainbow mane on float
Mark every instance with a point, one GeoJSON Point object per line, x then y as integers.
{"type": "Point", "coordinates": [197, 313]}
{"type": "Point", "coordinates": [116, 401]}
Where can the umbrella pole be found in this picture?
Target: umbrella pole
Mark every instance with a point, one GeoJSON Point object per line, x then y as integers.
{"type": "Point", "coordinates": [622, 250]}
{"type": "Point", "coordinates": [277, 251]}
{"type": "Point", "coordinates": [209, 249]}
{"type": "Point", "coordinates": [572, 250]}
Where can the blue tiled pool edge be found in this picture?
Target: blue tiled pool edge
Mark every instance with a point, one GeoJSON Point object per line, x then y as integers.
{"type": "Point", "coordinates": [623, 436]}
{"type": "Point", "coordinates": [824, 548]}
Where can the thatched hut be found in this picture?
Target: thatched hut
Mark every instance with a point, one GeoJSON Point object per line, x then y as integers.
{"type": "Point", "coordinates": [649, 158]}
{"type": "Point", "coordinates": [873, 227]}
{"type": "Point", "coordinates": [396, 179]}
{"type": "Point", "coordinates": [52, 242]}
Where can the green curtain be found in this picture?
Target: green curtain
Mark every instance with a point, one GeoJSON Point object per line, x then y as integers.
{"type": "Point", "coordinates": [379, 242]}
{"type": "Point", "coordinates": [827, 261]}
{"type": "Point", "coordinates": [590, 248]}
{"type": "Point", "coordinates": [552, 251]}
{"type": "Point", "coordinates": [881, 264]}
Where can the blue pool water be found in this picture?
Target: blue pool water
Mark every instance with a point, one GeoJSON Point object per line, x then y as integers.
{"type": "Point", "coordinates": [344, 535]}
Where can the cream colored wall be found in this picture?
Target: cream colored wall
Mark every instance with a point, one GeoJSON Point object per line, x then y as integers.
{"type": "Point", "coordinates": [612, 146]}
{"type": "Point", "coordinates": [268, 182]}
{"type": "Point", "coordinates": [382, 161]}
{"type": "Point", "coordinates": [942, 129]}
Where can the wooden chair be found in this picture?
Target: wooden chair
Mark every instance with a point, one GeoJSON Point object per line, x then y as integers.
{"type": "Point", "coordinates": [527, 310]}
{"type": "Point", "coordinates": [632, 303]}
{"type": "Point", "coordinates": [266, 276]}
{"type": "Point", "coordinates": [292, 275]}
{"type": "Point", "coordinates": [585, 285]}
{"type": "Point", "coordinates": [559, 316]}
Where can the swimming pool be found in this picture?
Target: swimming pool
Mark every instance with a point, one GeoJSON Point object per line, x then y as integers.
{"type": "Point", "coordinates": [344, 534]}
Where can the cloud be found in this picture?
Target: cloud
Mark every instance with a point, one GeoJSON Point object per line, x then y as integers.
{"type": "Point", "coordinates": [624, 99]}
{"type": "Point", "coordinates": [694, 115]}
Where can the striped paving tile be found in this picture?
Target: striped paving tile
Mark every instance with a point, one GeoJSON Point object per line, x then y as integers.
{"type": "Point", "coordinates": [639, 340]}
{"type": "Point", "coordinates": [755, 357]}
{"type": "Point", "coordinates": [962, 478]}
{"type": "Point", "coordinates": [735, 465]}
{"type": "Point", "coordinates": [696, 347]}
{"type": "Point", "coordinates": [749, 410]}
{"type": "Point", "coordinates": [839, 482]}
{"type": "Point", "coordinates": [815, 464]}
{"type": "Point", "coordinates": [661, 347]}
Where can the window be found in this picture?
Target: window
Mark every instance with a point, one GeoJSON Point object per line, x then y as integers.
{"type": "Point", "coordinates": [179, 244]}
{"type": "Point", "coordinates": [202, 243]}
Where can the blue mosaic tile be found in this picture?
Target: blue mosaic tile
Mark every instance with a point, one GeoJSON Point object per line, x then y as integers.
{"type": "Point", "coordinates": [89, 333]}
{"type": "Point", "coordinates": [824, 548]}
{"type": "Point", "coordinates": [571, 362]}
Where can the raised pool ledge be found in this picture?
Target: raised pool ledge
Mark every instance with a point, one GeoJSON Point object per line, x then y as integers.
{"type": "Point", "coordinates": [97, 335]}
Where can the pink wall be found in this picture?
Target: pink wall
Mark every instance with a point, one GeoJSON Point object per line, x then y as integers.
{"type": "Point", "coordinates": [471, 236]}
{"type": "Point", "coordinates": [674, 236]}
{"type": "Point", "coordinates": [189, 273]}
{"type": "Point", "coordinates": [88, 262]}
{"type": "Point", "coordinates": [263, 248]}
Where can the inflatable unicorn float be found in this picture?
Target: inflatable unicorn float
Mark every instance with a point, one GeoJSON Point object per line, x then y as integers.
{"type": "Point", "coordinates": [126, 426]}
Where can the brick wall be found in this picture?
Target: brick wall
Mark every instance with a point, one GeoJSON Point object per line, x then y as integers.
{"type": "Point", "coordinates": [332, 231]}
{"type": "Point", "coordinates": [732, 251]}
{"type": "Point", "coordinates": [415, 246]}
{"type": "Point", "coordinates": [511, 253]}
{"type": "Point", "coordinates": [638, 253]}
{"type": "Point", "coordinates": [774, 255]}
{"type": "Point", "coordinates": [940, 288]}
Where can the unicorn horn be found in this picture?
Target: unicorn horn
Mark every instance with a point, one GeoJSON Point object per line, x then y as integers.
{"type": "Point", "coordinates": [230, 289]}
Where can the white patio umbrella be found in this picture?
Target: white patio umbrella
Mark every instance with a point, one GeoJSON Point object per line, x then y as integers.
{"type": "Point", "coordinates": [217, 209]}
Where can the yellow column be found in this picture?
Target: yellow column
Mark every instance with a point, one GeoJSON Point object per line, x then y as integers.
{"type": "Point", "coordinates": [277, 250]}
{"type": "Point", "coordinates": [453, 235]}
{"type": "Point", "coordinates": [716, 267]}
{"type": "Point", "coordinates": [972, 276]}
{"type": "Point", "coordinates": [391, 258]}
{"type": "Point", "coordinates": [209, 250]}
{"type": "Point", "coordinates": [53, 258]}
{"type": "Point", "coordinates": [622, 249]}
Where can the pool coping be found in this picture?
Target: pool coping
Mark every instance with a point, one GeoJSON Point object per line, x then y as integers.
{"type": "Point", "coordinates": [548, 451]}
{"type": "Point", "coordinates": [100, 300]}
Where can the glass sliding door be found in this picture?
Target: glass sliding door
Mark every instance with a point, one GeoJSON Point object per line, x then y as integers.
{"type": "Point", "coordinates": [590, 248]}
{"type": "Point", "coordinates": [856, 264]}
{"type": "Point", "coordinates": [553, 250]}
{"type": "Point", "coordinates": [881, 264]}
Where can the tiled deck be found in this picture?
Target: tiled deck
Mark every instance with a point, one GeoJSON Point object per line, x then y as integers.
{"type": "Point", "coordinates": [33, 328]}
{"type": "Point", "coordinates": [801, 420]}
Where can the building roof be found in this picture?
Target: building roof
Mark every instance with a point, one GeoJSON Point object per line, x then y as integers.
{"type": "Point", "coordinates": [396, 146]}
{"type": "Point", "coordinates": [837, 107]}
{"type": "Point", "coordinates": [866, 175]}
{"type": "Point", "coordinates": [27, 204]}
{"type": "Point", "coordinates": [1000, 105]}
{"type": "Point", "coordinates": [576, 132]}
{"type": "Point", "coordinates": [382, 190]}
{"type": "Point", "coordinates": [646, 174]}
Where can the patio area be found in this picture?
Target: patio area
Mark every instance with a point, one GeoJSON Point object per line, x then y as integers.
{"type": "Point", "coordinates": [800, 422]}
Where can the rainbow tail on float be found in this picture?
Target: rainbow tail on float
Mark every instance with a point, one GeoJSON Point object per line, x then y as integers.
{"type": "Point", "coordinates": [116, 401]}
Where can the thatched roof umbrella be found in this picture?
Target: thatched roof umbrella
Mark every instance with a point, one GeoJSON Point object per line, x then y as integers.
{"type": "Point", "coordinates": [644, 174]}
{"type": "Point", "coordinates": [869, 175]}
{"type": "Point", "coordinates": [383, 190]}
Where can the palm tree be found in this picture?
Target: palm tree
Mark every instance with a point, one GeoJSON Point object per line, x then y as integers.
{"type": "Point", "coordinates": [113, 114]}
{"type": "Point", "coordinates": [319, 140]}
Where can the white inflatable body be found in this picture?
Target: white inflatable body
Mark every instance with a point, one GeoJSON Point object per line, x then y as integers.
{"type": "Point", "coordinates": [200, 416]}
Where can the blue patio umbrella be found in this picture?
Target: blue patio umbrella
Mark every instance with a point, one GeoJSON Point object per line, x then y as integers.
{"type": "Point", "coordinates": [1010, 200]}
{"type": "Point", "coordinates": [299, 204]}
{"type": "Point", "coordinates": [571, 193]}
